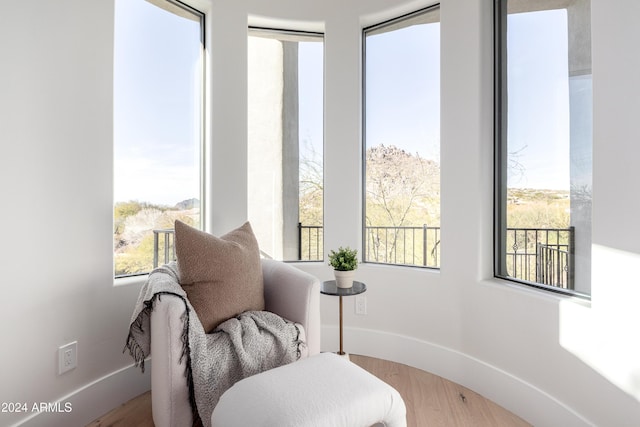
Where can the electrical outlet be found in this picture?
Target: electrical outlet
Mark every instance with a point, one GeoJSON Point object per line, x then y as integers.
{"type": "Point", "coordinates": [67, 357]}
{"type": "Point", "coordinates": [361, 304]}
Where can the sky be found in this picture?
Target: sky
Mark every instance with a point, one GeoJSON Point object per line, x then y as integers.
{"type": "Point", "coordinates": [311, 90]}
{"type": "Point", "coordinates": [538, 99]}
{"type": "Point", "coordinates": [403, 89]}
{"type": "Point", "coordinates": [403, 96]}
{"type": "Point", "coordinates": [156, 123]}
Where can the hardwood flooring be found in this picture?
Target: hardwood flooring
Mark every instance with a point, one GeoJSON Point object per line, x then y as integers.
{"type": "Point", "coordinates": [430, 400]}
{"type": "Point", "coordinates": [134, 413]}
{"type": "Point", "coordinates": [433, 401]}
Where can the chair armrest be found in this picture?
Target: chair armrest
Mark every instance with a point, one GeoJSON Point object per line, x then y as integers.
{"type": "Point", "coordinates": [295, 295]}
{"type": "Point", "coordinates": [170, 396]}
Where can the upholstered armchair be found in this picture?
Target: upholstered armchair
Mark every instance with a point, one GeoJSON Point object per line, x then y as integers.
{"type": "Point", "coordinates": [288, 292]}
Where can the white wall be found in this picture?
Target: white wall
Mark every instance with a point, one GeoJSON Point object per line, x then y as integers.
{"type": "Point", "coordinates": [56, 210]}
{"type": "Point", "coordinates": [551, 360]}
{"type": "Point", "coordinates": [542, 356]}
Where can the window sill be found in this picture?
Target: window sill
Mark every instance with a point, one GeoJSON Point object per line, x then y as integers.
{"type": "Point", "coordinates": [542, 293]}
{"type": "Point", "coordinates": [130, 280]}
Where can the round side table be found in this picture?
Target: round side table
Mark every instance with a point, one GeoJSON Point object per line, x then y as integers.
{"type": "Point", "coordinates": [330, 288]}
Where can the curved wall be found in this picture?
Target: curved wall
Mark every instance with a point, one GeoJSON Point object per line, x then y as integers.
{"type": "Point", "coordinates": [537, 354]}
{"type": "Point", "coordinates": [553, 361]}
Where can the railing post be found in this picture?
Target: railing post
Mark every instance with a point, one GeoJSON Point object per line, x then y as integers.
{"type": "Point", "coordinates": [424, 245]}
{"type": "Point", "coordinates": [173, 246]}
{"type": "Point", "coordinates": [539, 275]}
{"type": "Point", "coordinates": [299, 241]}
{"type": "Point", "coordinates": [571, 258]}
{"type": "Point", "coordinates": [166, 247]}
{"type": "Point", "coordinates": [155, 248]}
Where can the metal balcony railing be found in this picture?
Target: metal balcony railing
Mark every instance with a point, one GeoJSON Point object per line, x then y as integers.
{"type": "Point", "coordinates": [419, 246]}
{"type": "Point", "coordinates": [539, 255]}
{"type": "Point", "coordinates": [164, 245]}
{"type": "Point", "coordinates": [310, 242]}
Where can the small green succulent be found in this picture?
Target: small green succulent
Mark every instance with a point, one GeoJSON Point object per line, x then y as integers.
{"type": "Point", "coordinates": [344, 259]}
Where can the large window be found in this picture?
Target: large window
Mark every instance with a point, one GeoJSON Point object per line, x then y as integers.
{"type": "Point", "coordinates": [402, 140]}
{"type": "Point", "coordinates": [158, 75]}
{"type": "Point", "coordinates": [543, 143]}
{"type": "Point", "coordinates": [285, 138]}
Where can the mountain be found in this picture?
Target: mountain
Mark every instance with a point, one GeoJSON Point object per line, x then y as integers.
{"type": "Point", "coordinates": [187, 204]}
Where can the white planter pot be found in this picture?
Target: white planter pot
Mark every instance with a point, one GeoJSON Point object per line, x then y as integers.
{"type": "Point", "coordinates": [344, 279]}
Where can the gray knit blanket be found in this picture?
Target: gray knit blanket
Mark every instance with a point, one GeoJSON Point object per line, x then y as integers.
{"type": "Point", "coordinates": [246, 345]}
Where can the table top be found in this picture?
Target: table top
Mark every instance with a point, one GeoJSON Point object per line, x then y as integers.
{"type": "Point", "coordinates": [330, 288]}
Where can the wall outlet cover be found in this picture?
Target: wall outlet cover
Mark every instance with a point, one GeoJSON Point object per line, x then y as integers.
{"type": "Point", "coordinates": [67, 357]}
{"type": "Point", "coordinates": [361, 304]}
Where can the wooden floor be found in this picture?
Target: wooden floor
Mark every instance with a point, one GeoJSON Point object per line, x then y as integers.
{"type": "Point", "coordinates": [430, 401]}
{"type": "Point", "coordinates": [434, 401]}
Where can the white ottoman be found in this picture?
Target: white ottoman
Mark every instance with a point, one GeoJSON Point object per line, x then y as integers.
{"type": "Point", "coordinates": [323, 390]}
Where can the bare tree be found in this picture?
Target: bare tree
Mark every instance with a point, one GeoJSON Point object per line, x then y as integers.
{"type": "Point", "coordinates": [401, 187]}
{"type": "Point", "coordinates": [311, 186]}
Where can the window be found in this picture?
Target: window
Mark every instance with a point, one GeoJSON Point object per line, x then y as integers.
{"type": "Point", "coordinates": [158, 75]}
{"type": "Point", "coordinates": [285, 138]}
{"type": "Point", "coordinates": [402, 140]}
{"type": "Point", "coordinates": [543, 144]}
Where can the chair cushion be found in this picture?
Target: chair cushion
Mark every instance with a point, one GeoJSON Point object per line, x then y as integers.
{"type": "Point", "coordinates": [222, 276]}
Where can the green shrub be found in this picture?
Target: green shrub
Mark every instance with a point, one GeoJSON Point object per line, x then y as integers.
{"type": "Point", "coordinates": [344, 259]}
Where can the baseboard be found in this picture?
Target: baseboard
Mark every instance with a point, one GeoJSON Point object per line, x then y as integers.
{"type": "Point", "coordinates": [86, 404]}
{"type": "Point", "coordinates": [521, 398]}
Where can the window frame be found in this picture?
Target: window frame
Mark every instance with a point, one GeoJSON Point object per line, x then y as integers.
{"type": "Point", "coordinates": [372, 29]}
{"type": "Point", "coordinates": [500, 141]}
{"type": "Point", "coordinates": [175, 7]}
{"type": "Point", "coordinates": [293, 35]}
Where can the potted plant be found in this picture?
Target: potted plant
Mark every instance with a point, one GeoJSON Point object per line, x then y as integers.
{"type": "Point", "coordinates": [344, 262]}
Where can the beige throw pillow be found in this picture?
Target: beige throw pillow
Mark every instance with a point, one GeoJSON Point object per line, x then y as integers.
{"type": "Point", "coordinates": [222, 276]}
